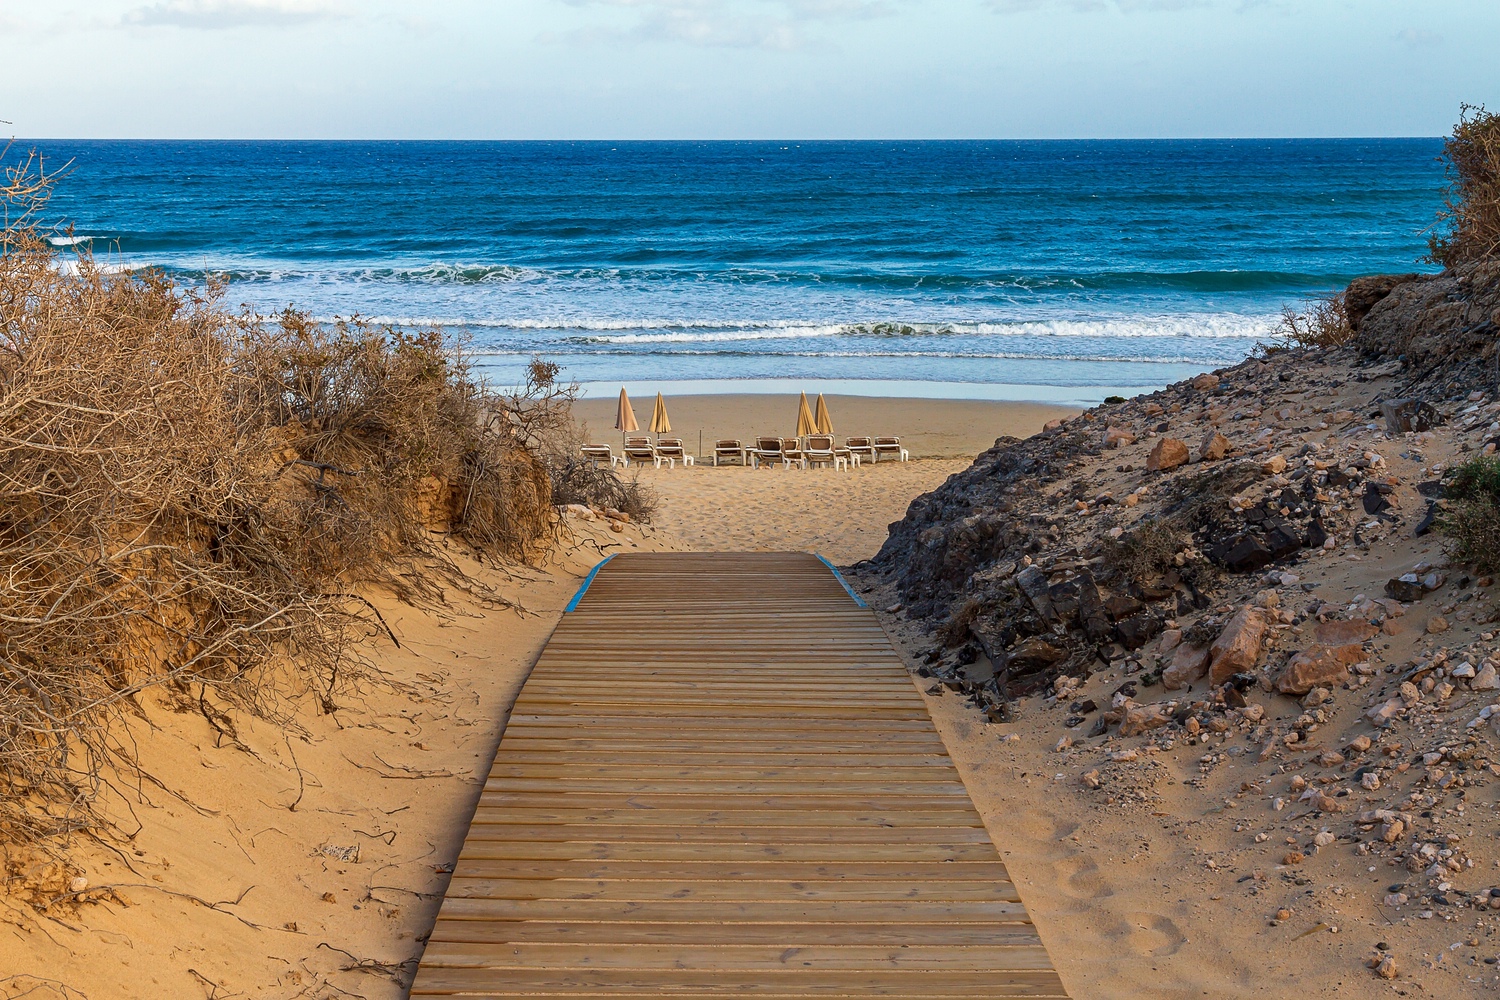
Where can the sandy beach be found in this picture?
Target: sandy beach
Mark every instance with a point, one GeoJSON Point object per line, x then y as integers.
{"type": "Point", "coordinates": [928, 428]}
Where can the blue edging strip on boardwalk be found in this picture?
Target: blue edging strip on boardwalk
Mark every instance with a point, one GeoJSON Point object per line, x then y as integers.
{"type": "Point", "coordinates": [842, 582]}
{"type": "Point", "coordinates": [590, 579]}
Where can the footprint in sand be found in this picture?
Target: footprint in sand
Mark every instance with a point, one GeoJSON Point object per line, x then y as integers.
{"type": "Point", "coordinates": [1080, 878]}
{"type": "Point", "coordinates": [1151, 934]}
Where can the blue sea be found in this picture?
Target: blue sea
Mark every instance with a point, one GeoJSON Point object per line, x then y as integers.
{"type": "Point", "coordinates": [1007, 269]}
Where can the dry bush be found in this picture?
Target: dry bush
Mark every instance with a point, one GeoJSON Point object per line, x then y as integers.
{"type": "Point", "coordinates": [1322, 323]}
{"type": "Point", "coordinates": [187, 496]}
{"type": "Point", "coordinates": [577, 481]}
{"type": "Point", "coordinates": [1144, 553]}
{"type": "Point", "coordinates": [1469, 224]}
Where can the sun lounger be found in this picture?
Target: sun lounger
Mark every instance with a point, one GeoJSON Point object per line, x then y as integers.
{"type": "Point", "coordinates": [820, 451]}
{"type": "Point", "coordinates": [891, 448]}
{"type": "Point", "coordinates": [596, 453]}
{"type": "Point", "coordinates": [673, 451]}
{"type": "Point", "coordinates": [767, 449]}
{"type": "Point", "coordinates": [727, 448]}
{"type": "Point", "coordinates": [641, 450]}
{"type": "Point", "coordinates": [791, 453]}
{"type": "Point", "coordinates": [860, 447]}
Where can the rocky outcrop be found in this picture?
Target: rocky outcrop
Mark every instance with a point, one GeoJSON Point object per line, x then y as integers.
{"type": "Point", "coordinates": [1362, 294]}
{"type": "Point", "coordinates": [1449, 320]}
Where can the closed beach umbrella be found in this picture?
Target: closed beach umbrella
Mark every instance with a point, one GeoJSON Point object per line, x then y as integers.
{"type": "Point", "coordinates": [659, 422]}
{"type": "Point", "coordinates": [625, 416]}
{"type": "Point", "coordinates": [824, 421]}
{"type": "Point", "coordinates": [805, 424]}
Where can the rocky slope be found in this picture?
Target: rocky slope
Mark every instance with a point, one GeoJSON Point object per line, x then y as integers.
{"type": "Point", "coordinates": [1239, 571]}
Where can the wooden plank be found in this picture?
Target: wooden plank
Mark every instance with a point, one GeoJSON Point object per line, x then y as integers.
{"type": "Point", "coordinates": [681, 800]}
{"type": "Point", "coordinates": [692, 911]}
{"type": "Point", "coordinates": [893, 871]}
{"type": "Point", "coordinates": [720, 781]}
{"type": "Point", "coordinates": [478, 846]}
{"type": "Point", "coordinates": [988, 957]}
{"type": "Point", "coordinates": [749, 786]}
{"type": "Point", "coordinates": [785, 935]}
{"type": "Point", "coordinates": [627, 816]}
{"type": "Point", "coordinates": [760, 982]}
{"type": "Point", "coordinates": [727, 834]}
{"type": "Point", "coordinates": [646, 889]}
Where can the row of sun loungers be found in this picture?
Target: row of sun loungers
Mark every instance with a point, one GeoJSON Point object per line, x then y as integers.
{"type": "Point", "coordinates": [640, 450]}
{"type": "Point", "coordinates": [820, 449]}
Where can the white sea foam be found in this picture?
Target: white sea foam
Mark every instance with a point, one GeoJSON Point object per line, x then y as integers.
{"type": "Point", "coordinates": [1212, 326]}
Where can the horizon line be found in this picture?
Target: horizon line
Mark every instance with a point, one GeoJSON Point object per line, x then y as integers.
{"type": "Point", "coordinates": [763, 139]}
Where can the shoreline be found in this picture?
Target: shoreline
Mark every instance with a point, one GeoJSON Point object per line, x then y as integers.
{"type": "Point", "coordinates": [1077, 396]}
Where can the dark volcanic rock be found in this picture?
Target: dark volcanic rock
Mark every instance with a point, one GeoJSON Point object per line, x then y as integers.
{"type": "Point", "coordinates": [1119, 606]}
{"type": "Point", "coordinates": [1374, 501]}
{"type": "Point", "coordinates": [1402, 415]}
{"type": "Point", "coordinates": [1091, 613]}
{"type": "Point", "coordinates": [1033, 654]}
{"type": "Point", "coordinates": [1404, 590]}
{"type": "Point", "coordinates": [1241, 554]}
{"type": "Point", "coordinates": [1136, 631]}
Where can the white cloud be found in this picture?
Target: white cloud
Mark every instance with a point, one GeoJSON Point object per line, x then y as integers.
{"type": "Point", "coordinates": [767, 24]}
{"type": "Point", "coordinates": [220, 14]}
{"type": "Point", "coordinates": [1125, 6]}
{"type": "Point", "coordinates": [1418, 38]}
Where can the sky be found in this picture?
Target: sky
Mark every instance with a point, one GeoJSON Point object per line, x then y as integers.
{"type": "Point", "coordinates": [731, 69]}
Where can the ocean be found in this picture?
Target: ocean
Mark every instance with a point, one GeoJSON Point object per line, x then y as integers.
{"type": "Point", "coordinates": [1062, 270]}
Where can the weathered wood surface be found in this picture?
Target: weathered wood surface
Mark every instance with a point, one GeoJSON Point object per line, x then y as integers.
{"type": "Point", "coordinates": [719, 782]}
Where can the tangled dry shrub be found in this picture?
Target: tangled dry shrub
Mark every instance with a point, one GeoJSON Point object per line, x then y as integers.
{"type": "Point", "coordinates": [187, 496]}
{"type": "Point", "coordinates": [1321, 323]}
{"type": "Point", "coordinates": [582, 482]}
{"type": "Point", "coordinates": [1469, 224]}
{"type": "Point", "coordinates": [1144, 553]}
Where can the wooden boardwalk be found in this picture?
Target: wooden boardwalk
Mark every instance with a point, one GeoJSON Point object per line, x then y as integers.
{"type": "Point", "coordinates": [720, 782]}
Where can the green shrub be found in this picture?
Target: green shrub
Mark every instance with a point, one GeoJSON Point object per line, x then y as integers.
{"type": "Point", "coordinates": [1472, 517]}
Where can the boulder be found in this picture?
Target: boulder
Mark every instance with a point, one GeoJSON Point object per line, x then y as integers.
{"type": "Point", "coordinates": [1273, 465]}
{"type": "Point", "coordinates": [1214, 447]}
{"type": "Point", "coordinates": [1318, 666]}
{"type": "Point", "coordinates": [1243, 554]}
{"type": "Point", "coordinates": [1169, 453]}
{"type": "Point", "coordinates": [1189, 663]}
{"type": "Point", "coordinates": [1117, 437]}
{"type": "Point", "coordinates": [1282, 541]}
{"type": "Point", "coordinates": [1206, 382]}
{"type": "Point", "coordinates": [1140, 718]}
{"type": "Point", "coordinates": [1403, 589]}
{"type": "Point", "coordinates": [1403, 415]}
{"type": "Point", "coordinates": [1342, 633]}
{"type": "Point", "coordinates": [1033, 583]}
{"type": "Point", "coordinates": [1237, 649]}
{"type": "Point", "coordinates": [1119, 606]}
{"type": "Point", "coordinates": [1033, 654]}
{"type": "Point", "coordinates": [1137, 630]}
{"type": "Point", "coordinates": [1091, 613]}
